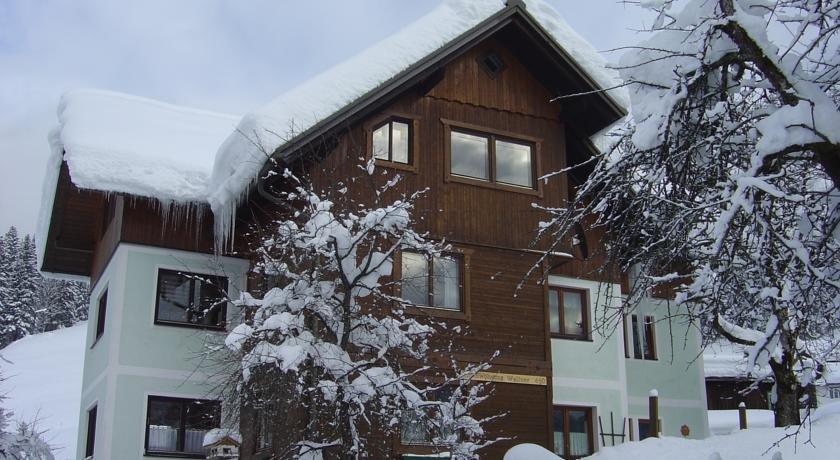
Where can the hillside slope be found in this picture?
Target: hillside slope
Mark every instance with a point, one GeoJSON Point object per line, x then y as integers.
{"type": "Point", "coordinates": [44, 382]}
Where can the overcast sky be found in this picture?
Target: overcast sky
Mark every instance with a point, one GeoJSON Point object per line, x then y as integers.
{"type": "Point", "coordinates": [226, 56]}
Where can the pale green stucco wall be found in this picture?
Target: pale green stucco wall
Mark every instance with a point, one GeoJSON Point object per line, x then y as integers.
{"type": "Point", "coordinates": [676, 374]}
{"type": "Point", "coordinates": [135, 358]}
{"type": "Point", "coordinates": [596, 374]}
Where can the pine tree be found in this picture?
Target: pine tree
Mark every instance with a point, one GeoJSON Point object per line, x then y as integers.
{"type": "Point", "coordinates": [9, 327]}
{"type": "Point", "coordinates": [78, 299]}
{"type": "Point", "coordinates": [26, 283]}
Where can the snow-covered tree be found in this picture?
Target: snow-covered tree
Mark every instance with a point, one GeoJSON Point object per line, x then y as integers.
{"type": "Point", "coordinates": [13, 324]}
{"type": "Point", "coordinates": [20, 440]}
{"type": "Point", "coordinates": [723, 185]}
{"type": "Point", "coordinates": [61, 304]}
{"type": "Point", "coordinates": [332, 345]}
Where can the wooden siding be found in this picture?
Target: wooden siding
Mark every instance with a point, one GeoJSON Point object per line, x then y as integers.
{"type": "Point", "coordinates": [496, 226]}
{"type": "Point", "coordinates": [74, 223]}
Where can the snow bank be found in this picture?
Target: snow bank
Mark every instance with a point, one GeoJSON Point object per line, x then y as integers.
{"type": "Point", "coordinates": [726, 421]}
{"type": "Point", "coordinates": [530, 452]}
{"type": "Point", "coordinates": [269, 127]}
{"type": "Point", "coordinates": [748, 444]}
{"type": "Point", "coordinates": [44, 382]}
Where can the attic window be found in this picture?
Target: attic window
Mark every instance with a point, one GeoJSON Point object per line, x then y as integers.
{"type": "Point", "coordinates": [391, 142]}
{"type": "Point", "coordinates": [492, 64]}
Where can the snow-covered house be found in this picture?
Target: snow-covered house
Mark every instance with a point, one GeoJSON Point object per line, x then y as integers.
{"type": "Point", "coordinates": [148, 201]}
{"type": "Point", "coordinates": [730, 380]}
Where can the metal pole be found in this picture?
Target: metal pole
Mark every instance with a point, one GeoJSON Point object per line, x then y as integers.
{"type": "Point", "coordinates": [742, 415]}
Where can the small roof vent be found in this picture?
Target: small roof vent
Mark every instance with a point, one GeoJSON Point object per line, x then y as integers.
{"type": "Point", "coordinates": [492, 64]}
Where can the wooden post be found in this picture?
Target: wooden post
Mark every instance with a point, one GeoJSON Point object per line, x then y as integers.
{"type": "Point", "coordinates": [742, 415]}
{"type": "Point", "coordinates": [653, 412]}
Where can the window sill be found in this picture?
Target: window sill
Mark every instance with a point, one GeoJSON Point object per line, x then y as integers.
{"type": "Point", "coordinates": [190, 326]}
{"type": "Point", "coordinates": [571, 337]}
{"type": "Point", "coordinates": [394, 165]}
{"type": "Point", "coordinates": [172, 454]}
{"type": "Point", "coordinates": [437, 312]}
{"type": "Point", "coordinates": [492, 185]}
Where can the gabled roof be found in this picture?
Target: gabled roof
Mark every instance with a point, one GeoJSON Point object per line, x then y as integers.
{"type": "Point", "coordinates": [117, 143]}
{"type": "Point", "coordinates": [295, 118]}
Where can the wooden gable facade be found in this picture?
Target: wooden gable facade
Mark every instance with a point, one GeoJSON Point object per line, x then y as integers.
{"type": "Point", "coordinates": [494, 226]}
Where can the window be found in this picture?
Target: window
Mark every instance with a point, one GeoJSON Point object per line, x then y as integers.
{"type": "Point", "coordinates": [649, 344]}
{"type": "Point", "coordinates": [433, 282]}
{"type": "Point", "coordinates": [573, 432]}
{"type": "Point", "coordinates": [100, 315]}
{"type": "Point", "coordinates": [488, 158]}
{"type": "Point", "coordinates": [91, 432]}
{"type": "Point", "coordinates": [177, 426]}
{"type": "Point", "coordinates": [192, 300]}
{"type": "Point", "coordinates": [637, 342]}
{"type": "Point", "coordinates": [645, 430]}
{"type": "Point", "coordinates": [423, 426]}
{"type": "Point", "coordinates": [391, 141]}
{"type": "Point", "coordinates": [491, 159]}
{"type": "Point", "coordinates": [643, 337]}
{"type": "Point", "coordinates": [834, 391]}
{"type": "Point", "coordinates": [568, 313]}
{"type": "Point", "coordinates": [263, 431]}
{"type": "Point", "coordinates": [492, 64]}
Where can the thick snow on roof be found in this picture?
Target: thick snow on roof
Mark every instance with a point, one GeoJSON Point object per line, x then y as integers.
{"type": "Point", "coordinates": [729, 360]}
{"type": "Point", "coordinates": [264, 130]}
{"type": "Point", "coordinates": [119, 143]}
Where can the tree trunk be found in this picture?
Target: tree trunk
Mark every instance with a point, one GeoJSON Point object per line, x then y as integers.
{"type": "Point", "coordinates": [787, 385]}
{"type": "Point", "coordinates": [787, 400]}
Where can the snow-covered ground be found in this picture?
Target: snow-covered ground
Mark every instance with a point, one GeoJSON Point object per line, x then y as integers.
{"type": "Point", "coordinates": [726, 421]}
{"type": "Point", "coordinates": [752, 444]}
{"type": "Point", "coordinates": [44, 382]}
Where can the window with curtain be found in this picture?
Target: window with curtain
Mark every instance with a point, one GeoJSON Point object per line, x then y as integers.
{"type": "Point", "coordinates": [263, 418]}
{"type": "Point", "coordinates": [423, 426]}
{"type": "Point", "coordinates": [191, 300]}
{"type": "Point", "coordinates": [178, 425]}
{"type": "Point", "coordinates": [643, 337]}
{"type": "Point", "coordinates": [432, 282]}
{"type": "Point", "coordinates": [568, 313]}
{"type": "Point", "coordinates": [573, 431]}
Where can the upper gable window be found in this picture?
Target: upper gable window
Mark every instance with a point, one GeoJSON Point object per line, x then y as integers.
{"type": "Point", "coordinates": [492, 64]}
{"type": "Point", "coordinates": [492, 159]}
{"type": "Point", "coordinates": [391, 141]}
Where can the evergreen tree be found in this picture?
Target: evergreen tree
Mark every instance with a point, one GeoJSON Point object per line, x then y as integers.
{"type": "Point", "coordinates": [21, 440]}
{"type": "Point", "coordinates": [9, 326]}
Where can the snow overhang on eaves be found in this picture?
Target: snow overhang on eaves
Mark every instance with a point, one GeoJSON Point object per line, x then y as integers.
{"type": "Point", "coordinates": [283, 127]}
